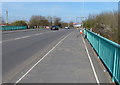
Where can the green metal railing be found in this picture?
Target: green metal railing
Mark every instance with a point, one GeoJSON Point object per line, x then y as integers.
{"type": "Point", "coordinates": [6, 28]}
{"type": "Point", "coordinates": [108, 51]}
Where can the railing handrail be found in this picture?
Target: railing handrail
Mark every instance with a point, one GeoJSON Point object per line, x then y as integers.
{"type": "Point", "coordinates": [9, 27]}
{"type": "Point", "coordinates": [109, 41]}
{"type": "Point", "coordinates": [108, 51]}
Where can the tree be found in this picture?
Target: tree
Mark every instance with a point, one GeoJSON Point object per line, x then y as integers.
{"type": "Point", "coordinates": [57, 21]}
{"type": "Point", "coordinates": [63, 24]}
{"type": "Point", "coordinates": [19, 23]}
{"type": "Point", "coordinates": [49, 18]}
{"type": "Point", "coordinates": [2, 20]}
{"type": "Point", "coordinates": [38, 21]}
{"type": "Point", "coordinates": [105, 23]}
{"type": "Point", "coordinates": [71, 24]}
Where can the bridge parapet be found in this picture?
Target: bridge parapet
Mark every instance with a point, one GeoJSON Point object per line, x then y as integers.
{"type": "Point", "coordinates": [6, 28]}
{"type": "Point", "coordinates": [108, 51]}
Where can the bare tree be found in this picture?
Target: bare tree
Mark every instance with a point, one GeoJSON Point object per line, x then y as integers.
{"type": "Point", "coordinates": [38, 21]}
{"type": "Point", "coordinates": [49, 18]}
{"type": "Point", "coordinates": [57, 21]}
{"type": "Point", "coordinates": [105, 23]}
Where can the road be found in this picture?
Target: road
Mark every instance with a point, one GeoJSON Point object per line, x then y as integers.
{"type": "Point", "coordinates": [21, 49]}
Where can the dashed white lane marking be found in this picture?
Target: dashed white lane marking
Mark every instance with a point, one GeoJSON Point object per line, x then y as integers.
{"type": "Point", "coordinates": [24, 37]}
{"type": "Point", "coordinates": [38, 34]}
{"type": "Point", "coordinates": [91, 63]}
{"type": "Point", "coordinates": [40, 60]}
{"type": "Point", "coordinates": [17, 38]}
{"type": "Point", "coordinates": [21, 37]}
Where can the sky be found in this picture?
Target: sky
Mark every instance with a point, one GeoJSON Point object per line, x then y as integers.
{"type": "Point", "coordinates": [67, 11]}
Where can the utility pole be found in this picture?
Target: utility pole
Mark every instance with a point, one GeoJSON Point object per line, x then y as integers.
{"type": "Point", "coordinates": [68, 23]}
{"type": "Point", "coordinates": [53, 17]}
{"type": "Point", "coordinates": [81, 20]}
{"type": "Point", "coordinates": [6, 16]}
{"type": "Point", "coordinates": [52, 21]}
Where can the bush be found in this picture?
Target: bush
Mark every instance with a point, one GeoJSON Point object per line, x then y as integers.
{"type": "Point", "coordinates": [19, 23]}
{"type": "Point", "coordinates": [106, 24]}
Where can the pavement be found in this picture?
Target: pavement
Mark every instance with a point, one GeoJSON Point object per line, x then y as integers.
{"type": "Point", "coordinates": [67, 62]}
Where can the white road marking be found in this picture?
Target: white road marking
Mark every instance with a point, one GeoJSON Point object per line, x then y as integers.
{"type": "Point", "coordinates": [91, 63]}
{"type": "Point", "coordinates": [7, 31]}
{"type": "Point", "coordinates": [37, 34]}
{"type": "Point", "coordinates": [42, 33]}
{"type": "Point", "coordinates": [40, 59]}
{"type": "Point", "coordinates": [17, 38]}
{"type": "Point", "coordinates": [25, 37]}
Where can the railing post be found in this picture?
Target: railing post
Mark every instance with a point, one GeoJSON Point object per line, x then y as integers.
{"type": "Point", "coordinates": [99, 48]}
{"type": "Point", "coordinates": [114, 67]}
{"type": "Point", "coordinates": [85, 33]}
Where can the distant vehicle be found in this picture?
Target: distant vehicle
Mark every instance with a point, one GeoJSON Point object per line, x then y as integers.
{"type": "Point", "coordinates": [47, 27]}
{"type": "Point", "coordinates": [54, 28]}
{"type": "Point", "coordinates": [67, 27]}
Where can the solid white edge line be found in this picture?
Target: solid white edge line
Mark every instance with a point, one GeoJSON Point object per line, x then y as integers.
{"type": "Point", "coordinates": [91, 63]}
{"type": "Point", "coordinates": [41, 59]}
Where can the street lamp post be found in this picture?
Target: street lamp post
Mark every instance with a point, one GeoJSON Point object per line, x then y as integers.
{"type": "Point", "coordinates": [81, 20]}
{"type": "Point", "coordinates": [6, 16]}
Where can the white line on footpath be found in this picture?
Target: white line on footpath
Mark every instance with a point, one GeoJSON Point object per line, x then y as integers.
{"type": "Point", "coordinates": [91, 63]}
{"type": "Point", "coordinates": [41, 59]}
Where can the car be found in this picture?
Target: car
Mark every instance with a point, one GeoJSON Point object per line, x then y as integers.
{"type": "Point", "coordinates": [54, 28]}
{"type": "Point", "coordinates": [67, 27]}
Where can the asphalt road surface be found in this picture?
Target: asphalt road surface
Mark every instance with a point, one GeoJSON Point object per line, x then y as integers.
{"type": "Point", "coordinates": [67, 62]}
{"type": "Point", "coordinates": [21, 49]}
{"type": "Point", "coordinates": [45, 56]}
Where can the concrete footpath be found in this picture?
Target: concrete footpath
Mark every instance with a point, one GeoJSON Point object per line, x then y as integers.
{"type": "Point", "coordinates": [67, 63]}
